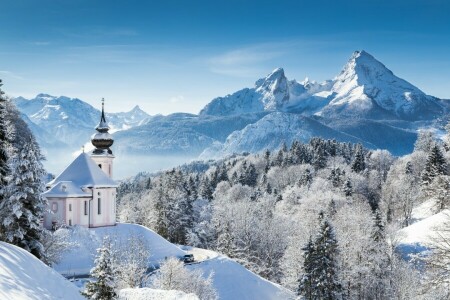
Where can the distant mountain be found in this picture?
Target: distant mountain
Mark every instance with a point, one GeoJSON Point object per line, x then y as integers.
{"type": "Point", "coordinates": [366, 88]}
{"type": "Point", "coordinates": [70, 121]}
{"type": "Point", "coordinates": [272, 93]}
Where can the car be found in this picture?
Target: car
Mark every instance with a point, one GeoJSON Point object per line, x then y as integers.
{"type": "Point", "coordinates": [188, 258]}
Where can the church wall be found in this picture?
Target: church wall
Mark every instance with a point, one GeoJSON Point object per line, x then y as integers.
{"type": "Point", "coordinates": [107, 214]}
{"type": "Point", "coordinates": [58, 212]}
{"type": "Point", "coordinates": [106, 162]}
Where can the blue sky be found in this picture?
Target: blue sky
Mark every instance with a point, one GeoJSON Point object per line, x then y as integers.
{"type": "Point", "coordinates": [169, 56]}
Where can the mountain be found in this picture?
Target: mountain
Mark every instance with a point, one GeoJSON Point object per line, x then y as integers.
{"type": "Point", "coordinates": [70, 121]}
{"type": "Point", "coordinates": [180, 134]}
{"type": "Point", "coordinates": [364, 103]}
{"type": "Point", "coordinates": [366, 88]}
{"type": "Point", "coordinates": [272, 131]}
{"type": "Point", "coordinates": [272, 93]}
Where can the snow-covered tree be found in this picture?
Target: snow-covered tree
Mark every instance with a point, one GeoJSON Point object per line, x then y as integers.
{"type": "Point", "coordinates": [5, 171]}
{"type": "Point", "coordinates": [425, 141]}
{"type": "Point", "coordinates": [435, 166]}
{"type": "Point", "coordinates": [320, 279]}
{"type": "Point", "coordinates": [25, 207]}
{"type": "Point", "coordinates": [173, 275]}
{"type": "Point", "coordinates": [102, 287]}
{"type": "Point", "coordinates": [130, 262]}
{"type": "Point", "coordinates": [359, 163]}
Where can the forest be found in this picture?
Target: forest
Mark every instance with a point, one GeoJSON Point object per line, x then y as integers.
{"type": "Point", "coordinates": [320, 218]}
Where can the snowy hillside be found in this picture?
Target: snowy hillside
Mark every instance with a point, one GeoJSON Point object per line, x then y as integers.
{"type": "Point", "coordinates": [80, 260]}
{"type": "Point", "coordinates": [23, 276]}
{"type": "Point", "coordinates": [272, 131]}
{"type": "Point", "coordinates": [233, 281]}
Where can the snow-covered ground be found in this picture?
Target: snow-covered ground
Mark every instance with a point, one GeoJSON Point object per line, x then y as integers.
{"type": "Point", "coordinates": [153, 294]}
{"type": "Point", "coordinates": [80, 260]}
{"type": "Point", "coordinates": [232, 281]}
{"type": "Point", "coordinates": [424, 232]}
{"type": "Point", "coordinates": [23, 276]}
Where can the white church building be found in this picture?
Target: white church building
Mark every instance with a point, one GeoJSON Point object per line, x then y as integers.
{"type": "Point", "coordinates": [85, 193]}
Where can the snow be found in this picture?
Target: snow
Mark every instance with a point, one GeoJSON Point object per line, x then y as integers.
{"type": "Point", "coordinates": [84, 172]}
{"type": "Point", "coordinates": [80, 260]}
{"type": "Point", "coordinates": [65, 189]}
{"type": "Point", "coordinates": [364, 81]}
{"type": "Point", "coordinates": [232, 281]}
{"type": "Point", "coordinates": [423, 232]}
{"type": "Point", "coordinates": [154, 294]}
{"type": "Point", "coordinates": [23, 276]}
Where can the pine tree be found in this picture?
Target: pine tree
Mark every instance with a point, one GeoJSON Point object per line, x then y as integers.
{"type": "Point", "coordinates": [359, 163]}
{"type": "Point", "coordinates": [305, 287]}
{"type": "Point", "coordinates": [320, 280]}
{"type": "Point", "coordinates": [347, 188]}
{"type": "Point", "coordinates": [435, 165]}
{"type": "Point", "coordinates": [103, 286]}
{"type": "Point", "coordinates": [5, 170]}
{"type": "Point", "coordinates": [26, 206]}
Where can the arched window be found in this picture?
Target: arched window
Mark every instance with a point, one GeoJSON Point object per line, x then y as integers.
{"type": "Point", "coordinates": [100, 166]}
{"type": "Point", "coordinates": [99, 206]}
{"type": "Point", "coordinates": [54, 207]}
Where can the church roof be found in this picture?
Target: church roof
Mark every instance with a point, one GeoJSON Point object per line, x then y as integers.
{"type": "Point", "coordinates": [83, 172]}
{"type": "Point", "coordinates": [66, 189]}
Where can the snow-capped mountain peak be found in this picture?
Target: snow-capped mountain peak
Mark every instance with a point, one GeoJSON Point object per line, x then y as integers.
{"type": "Point", "coordinates": [367, 87]}
{"type": "Point", "coordinates": [274, 89]}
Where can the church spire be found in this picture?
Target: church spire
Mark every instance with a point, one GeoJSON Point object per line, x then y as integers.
{"type": "Point", "coordinates": [102, 140]}
{"type": "Point", "coordinates": [103, 125]}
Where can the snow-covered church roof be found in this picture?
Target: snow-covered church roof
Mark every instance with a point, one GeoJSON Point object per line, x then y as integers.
{"type": "Point", "coordinates": [83, 172]}
{"type": "Point", "coordinates": [66, 189]}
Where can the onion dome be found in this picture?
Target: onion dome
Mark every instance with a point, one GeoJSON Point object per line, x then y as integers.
{"type": "Point", "coordinates": [102, 140]}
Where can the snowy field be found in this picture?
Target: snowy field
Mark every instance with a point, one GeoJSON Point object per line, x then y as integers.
{"type": "Point", "coordinates": [23, 276]}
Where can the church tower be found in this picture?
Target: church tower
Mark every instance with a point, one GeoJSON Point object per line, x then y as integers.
{"type": "Point", "coordinates": [102, 140]}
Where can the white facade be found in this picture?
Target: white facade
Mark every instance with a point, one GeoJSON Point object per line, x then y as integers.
{"type": "Point", "coordinates": [105, 162]}
{"type": "Point", "coordinates": [81, 195]}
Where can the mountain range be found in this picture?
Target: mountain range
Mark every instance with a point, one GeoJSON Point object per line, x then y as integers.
{"type": "Point", "coordinates": [365, 103]}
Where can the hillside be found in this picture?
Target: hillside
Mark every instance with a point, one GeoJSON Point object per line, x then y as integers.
{"type": "Point", "coordinates": [23, 276]}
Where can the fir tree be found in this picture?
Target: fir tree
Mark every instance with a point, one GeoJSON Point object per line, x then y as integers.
{"type": "Point", "coordinates": [435, 165]}
{"type": "Point", "coordinates": [25, 207]}
{"type": "Point", "coordinates": [102, 288]}
{"type": "Point", "coordinates": [305, 287]}
{"type": "Point", "coordinates": [320, 280]}
{"type": "Point", "coordinates": [347, 188]}
{"type": "Point", "coordinates": [359, 163]}
{"type": "Point", "coordinates": [4, 155]}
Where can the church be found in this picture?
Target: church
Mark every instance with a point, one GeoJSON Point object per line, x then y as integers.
{"type": "Point", "coordinates": [84, 193]}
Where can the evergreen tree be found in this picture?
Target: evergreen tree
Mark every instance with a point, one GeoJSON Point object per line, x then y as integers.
{"type": "Point", "coordinates": [359, 163]}
{"type": "Point", "coordinates": [435, 165]}
{"type": "Point", "coordinates": [25, 206]}
{"type": "Point", "coordinates": [5, 140]}
{"type": "Point", "coordinates": [320, 280]}
{"type": "Point", "coordinates": [347, 188]}
{"type": "Point", "coordinates": [305, 287]}
{"type": "Point", "coordinates": [103, 286]}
